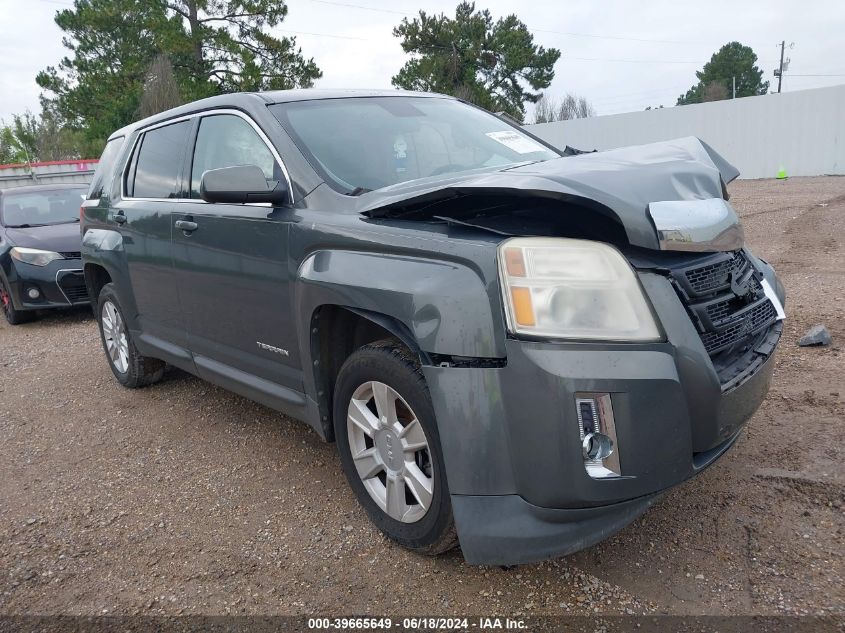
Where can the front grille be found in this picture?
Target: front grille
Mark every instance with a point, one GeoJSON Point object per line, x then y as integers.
{"type": "Point", "coordinates": [719, 311]}
{"type": "Point", "coordinates": [723, 310]}
{"type": "Point", "coordinates": [713, 276]}
{"type": "Point", "coordinates": [725, 299]}
{"type": "Point", "coordinates": [71, 254]}
{"type": "Point", "coordinates": [740, 328]}
{"type": "Point", "coordinates": [73, 287]}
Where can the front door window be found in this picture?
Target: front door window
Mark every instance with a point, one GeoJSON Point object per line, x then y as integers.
{"type": "Point", "coordinates": [226, 140]}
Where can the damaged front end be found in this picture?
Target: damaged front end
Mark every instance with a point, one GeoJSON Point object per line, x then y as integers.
{"type": "Point", "coordinates": [669, 195]}
{"type": "Point", "coordinates": [603, 402]}
{"type": "Point", "coordinates": [664, 206]}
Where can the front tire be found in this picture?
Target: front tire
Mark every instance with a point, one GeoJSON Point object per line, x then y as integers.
{"type": "Point", "coordinates": [131, 369]}
{"type": "Point", "coordinates": [13, 315]}
{"type": "Point", "coordinates": [389, 447]}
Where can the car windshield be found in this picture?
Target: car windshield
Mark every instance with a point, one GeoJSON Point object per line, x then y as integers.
{"type": "Point", "coordinates": [39, 208]}
{"type": "Point", "coordinates": [365, 143]}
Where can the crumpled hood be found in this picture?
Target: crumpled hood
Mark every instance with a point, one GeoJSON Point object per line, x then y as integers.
{"type": "Point", "coordinates": [62, 238]}
{"type": "Point", "coordinates": [624, 180]}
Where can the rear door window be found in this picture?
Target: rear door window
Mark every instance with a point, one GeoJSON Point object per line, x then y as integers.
{"type": "Point", "coordinates": [103, 173]}
{"type": "Point", "coordinates": [155, 170]}
{"type": "Point", "coordinates": [226, 140]}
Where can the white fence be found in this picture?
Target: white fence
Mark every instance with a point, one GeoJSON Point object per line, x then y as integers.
{"type": "Point", "coordinates": [803, 131]}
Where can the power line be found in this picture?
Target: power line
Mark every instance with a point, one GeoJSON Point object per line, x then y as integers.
{"type": "Point", "coordinates": [612, 37]}
{"type": "Point", "coordinates": [447, 48]}
{"type": "Point", "coordinates": [631, 96]}
{"type": "Point", "coordinates": [360, 6]}
{"type": "Point", "coordinates": [632, 61]}
{"type": "Point", "coordinates": [351, 5]}
{"type": "Point", "coordinates": [340, 37]}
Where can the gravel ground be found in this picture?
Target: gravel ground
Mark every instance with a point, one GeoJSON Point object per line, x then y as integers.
{"type": "Point", "coordinates": [183, 498]}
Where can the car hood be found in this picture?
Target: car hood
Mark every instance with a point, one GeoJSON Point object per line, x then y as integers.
{"type": "Point", "coordinates": [62, 238]}
{"type": "Point", "coordinates": [624, 181]}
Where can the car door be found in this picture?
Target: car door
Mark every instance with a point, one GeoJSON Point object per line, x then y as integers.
{"type": "Point", "coordinates": [151, 182]}
{"type": "Point", "coordinates": [231, 264]}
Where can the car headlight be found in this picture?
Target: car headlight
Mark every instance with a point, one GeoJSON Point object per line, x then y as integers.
{"type": "Point", "coordinates": [34, 256]}
{"type": "Point", "coordinates": [572, 289]}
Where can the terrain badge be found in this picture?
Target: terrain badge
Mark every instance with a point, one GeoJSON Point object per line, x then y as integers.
{"type": "Point", "coordinates": [271, 348]}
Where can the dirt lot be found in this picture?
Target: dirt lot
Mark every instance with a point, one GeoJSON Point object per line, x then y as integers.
{"type": "Point", "coordinates": [183, 498]}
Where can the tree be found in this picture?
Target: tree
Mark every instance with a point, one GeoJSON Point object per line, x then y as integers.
{"type": "Point", "coordinates": [715, 80]}
{"type": "Point", "coordinates": [31, 139]}
{"type": "Point", "coordinates": [7, 151]}
{"type": "Point", "coordinates": [22, 137]}
{"type": "Point", "coordinates": [494, 65]}
{"type": "Point", "coordinates": [570, 107]}
{"type": "Point", "coordinates": [224, 42]}
{"type": "Point", "coordinates": [714, 91]}
{"type": "Point", "coordinates": [213, 46]}
{"type": "Point", "coordinates": [161, 90]}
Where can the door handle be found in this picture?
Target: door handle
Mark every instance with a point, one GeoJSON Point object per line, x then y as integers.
{"type": "Point", "coordinates": [120, 218]}
{"type": "Point", "coordinates": [186, 225]}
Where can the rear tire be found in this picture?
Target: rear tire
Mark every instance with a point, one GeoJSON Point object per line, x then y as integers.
{"type": "Point", "coordinates": [13, 315]}
{"type": "Point", "coordinates": [383, 415]}
{"type": "Point", "coordinates": [131, 369]}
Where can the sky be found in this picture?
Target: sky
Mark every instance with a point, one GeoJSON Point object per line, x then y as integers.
{"type": "Point", "coordinates": [622, 55]}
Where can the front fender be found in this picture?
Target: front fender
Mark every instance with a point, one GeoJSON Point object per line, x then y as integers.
{"type": "Point", "coordinates": [103, 247]}
{"type": "Point", "coordinates": [444, 304]}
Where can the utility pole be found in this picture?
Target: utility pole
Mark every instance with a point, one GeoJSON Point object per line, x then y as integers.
{"type": "Point", "coordinates": [733, 81]}
{"type": "Point", "coordinates": [780, 69]}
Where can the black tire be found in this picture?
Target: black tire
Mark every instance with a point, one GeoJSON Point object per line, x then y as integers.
{"type": "Point", "coordinates": [392, 364]}
{"type": "Point", "coordinates": [13, 315]}
{"type": "Point", "coordinates": [141, 370]}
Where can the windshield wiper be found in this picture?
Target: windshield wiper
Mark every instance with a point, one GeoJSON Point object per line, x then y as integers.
{"type": "Point", "coordinates": [525, 163]}
{"type": "Point", "coordinates": [30, 226]}
{"type": "Point", "coordinates": [357, 191]}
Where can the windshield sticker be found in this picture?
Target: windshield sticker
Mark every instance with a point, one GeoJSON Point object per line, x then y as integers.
{"type": "Point", "coordinates": [400, 154]}
{"type": "Point", "coordinates": [516, 141]}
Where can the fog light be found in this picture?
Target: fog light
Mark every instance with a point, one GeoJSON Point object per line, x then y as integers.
{"type": "Point", "coordinates": [33, 293]}
{"type": "Point", "coordinates": [597, 446]}
{"type": "Point", "coordinates": [597, 431]}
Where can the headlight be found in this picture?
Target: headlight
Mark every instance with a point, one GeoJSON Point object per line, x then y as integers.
{"type": "Point", "coordinates": [34, 256]}
{"type": "Point", "coordinates": [573, 289]}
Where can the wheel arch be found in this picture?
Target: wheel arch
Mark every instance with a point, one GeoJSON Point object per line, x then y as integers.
{"type": "Point", "coordinates": [335, 333]}
{"type": "Point", "coordinates": [432, 306]}
{"type": "Point", "coordinates": [96, 276]}
{"type": "Point", "coordinates": [445, 306]}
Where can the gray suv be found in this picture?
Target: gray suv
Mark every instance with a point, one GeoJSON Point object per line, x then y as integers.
{"type": "Point", "coordinates": [516, 348]}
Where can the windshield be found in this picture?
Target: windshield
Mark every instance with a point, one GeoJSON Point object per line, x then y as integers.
{"type": "Point", "coordinates": [365, 143]}
{"type": "Point", "coordinates": [38, 208]}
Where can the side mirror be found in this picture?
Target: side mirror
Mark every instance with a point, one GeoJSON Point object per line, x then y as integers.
{"type": "Point", "coordinates": [241, 184]}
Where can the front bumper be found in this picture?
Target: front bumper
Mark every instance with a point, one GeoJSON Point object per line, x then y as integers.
{"type": "Point", "coordinates": [507, 530]}
{"type": "Point", "coordinates": [60, 284]}
{"type": "Point", "coordinates": [511, 441]}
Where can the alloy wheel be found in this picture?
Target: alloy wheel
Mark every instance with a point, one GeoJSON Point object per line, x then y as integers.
{"type": "Point", "coordinates": [390, 452]}
{"type": "Point", "coordinates": [114, 334]}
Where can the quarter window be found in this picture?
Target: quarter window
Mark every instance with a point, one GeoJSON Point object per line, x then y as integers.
{"type": "Point", "coordinates": [105, 167]}
{"type": "Point", "coordinates": [154, 171]}
{"type": "Point", "coordinates": [226, 140]}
